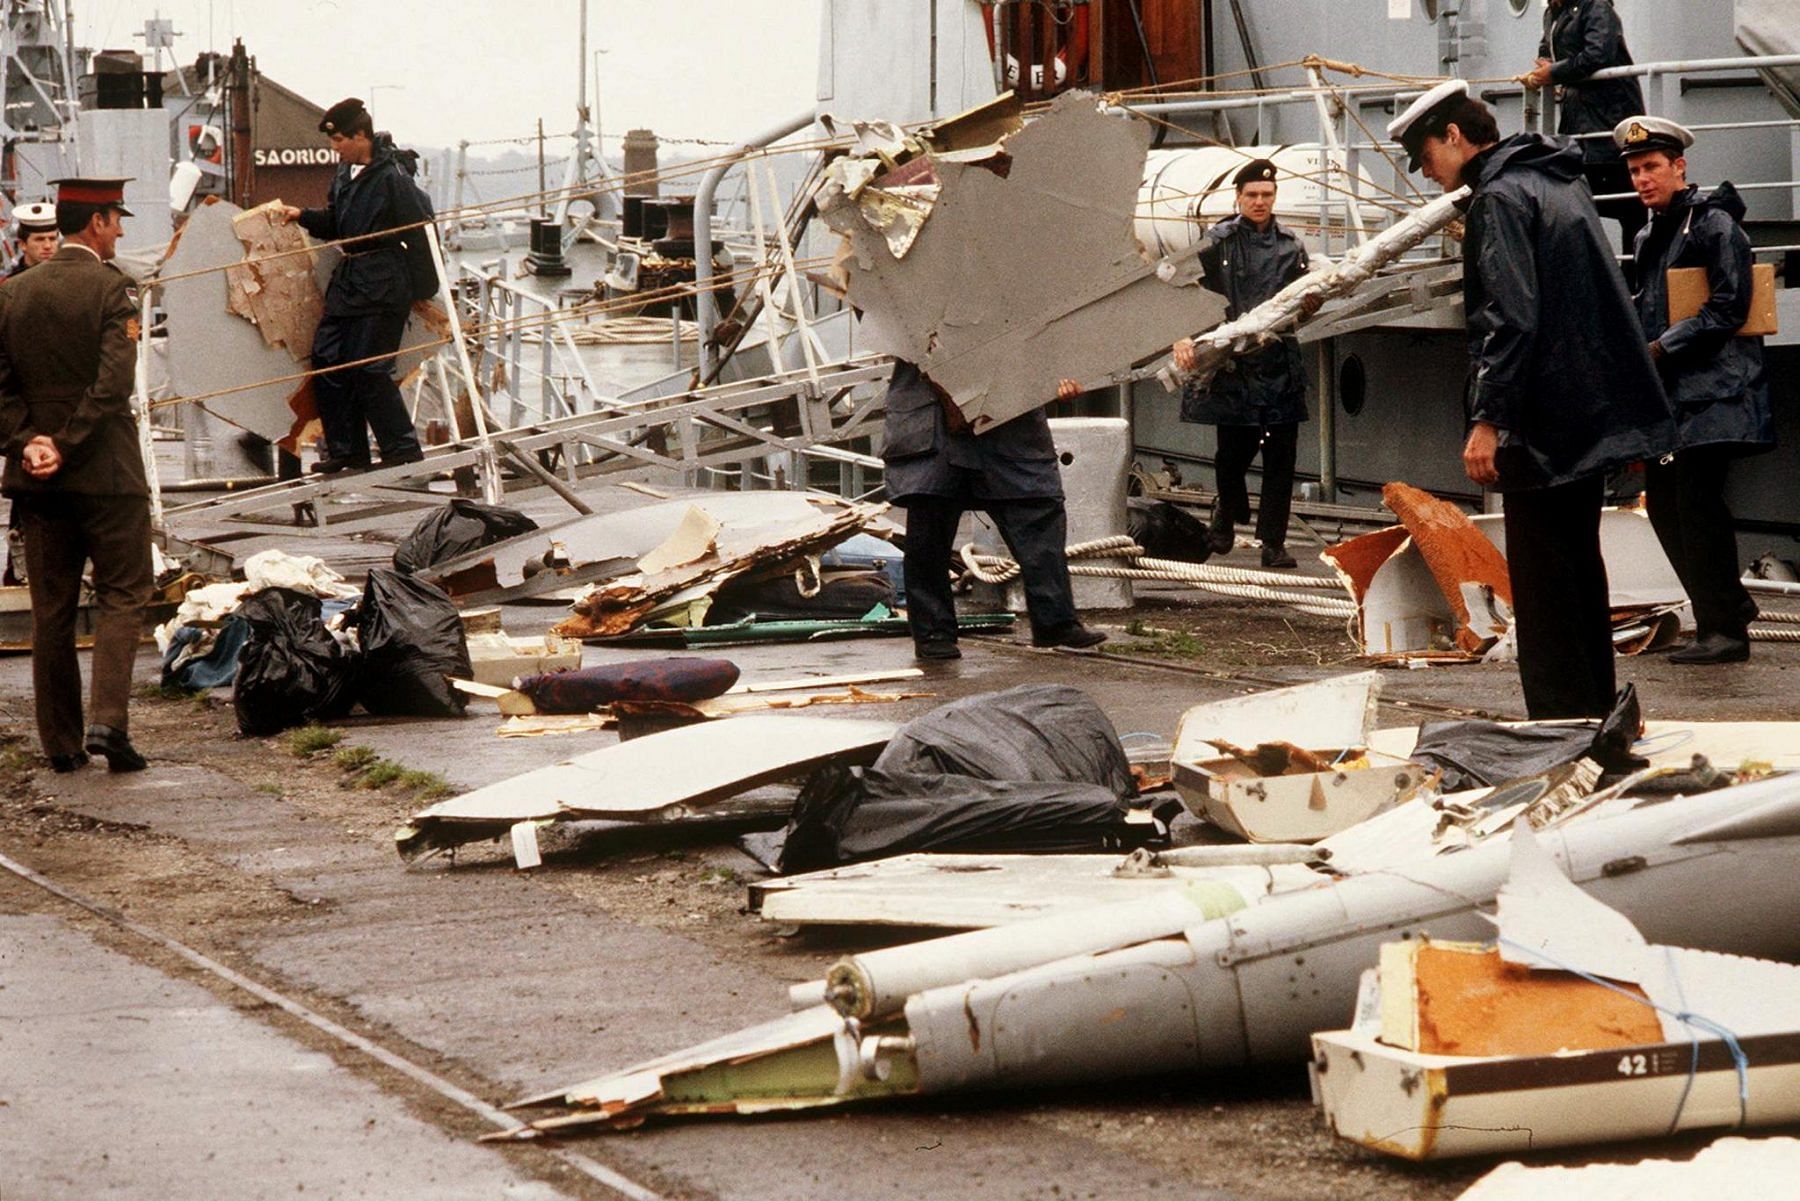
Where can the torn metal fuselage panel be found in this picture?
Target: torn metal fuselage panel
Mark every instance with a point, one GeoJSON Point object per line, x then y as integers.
{"type": "Point", "coordinates": [1028, 270]}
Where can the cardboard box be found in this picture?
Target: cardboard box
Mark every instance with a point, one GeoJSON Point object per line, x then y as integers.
{"type": "Point", "coordinates": [1689, 289]}
{"type": "Point", "coordinates": [498, 659]}
{"type": "Point", "coordinates": [1303, 807]}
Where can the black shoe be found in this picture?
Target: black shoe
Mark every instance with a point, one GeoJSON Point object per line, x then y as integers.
{"type": "Point", "coordinates": [1713, 648]}
{"type": "Point", "coordinates": [1074, 636]}
{"type": "Point", "coordinates": [116, 746]}
{"type": "Point", "coordinates": [1277, 556]}
{"type": "Point", "coordinates": [401, 458]}
{"type": "Point", "coordinates": [333, 466]}
{"type": "Point", "coordinates": [936, 648]}
{"type": "Point", "coordinates": [63, 764]}
{"type": "Point", "coordinates": [1219, 533]}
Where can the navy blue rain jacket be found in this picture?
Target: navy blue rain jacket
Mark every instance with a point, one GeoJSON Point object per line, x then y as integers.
{"type": "Point", "coordinates": [1557, 359]}
{"type": "Point", "coordinates": [1714, 377]}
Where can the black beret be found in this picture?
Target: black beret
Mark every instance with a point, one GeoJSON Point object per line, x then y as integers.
{"type": "Point", "coordinates": [340, 115]}
{"type": "Point", "coordinates": [1259, 170]}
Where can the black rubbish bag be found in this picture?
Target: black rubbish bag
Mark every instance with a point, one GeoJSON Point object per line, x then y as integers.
{"type": "Point", "coordinates": [290, 670]}
{"type": "Point", "coordinates": [1166, 531]}
{"type": "Point", "coordinates": [1043, 733]}
{"type": "Point", "coordinates": [1476, 754]}
{"type": "Point", "coordinates": [412, 642]}
{"type": "Point", "coordinates": [460, 527]}
{"type": "Point", "coordinates": [1034, 768]}
{"type": "Point", "coordinates": [845, 816]}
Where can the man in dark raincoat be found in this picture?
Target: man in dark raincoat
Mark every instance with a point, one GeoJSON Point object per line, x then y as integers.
{"type": "Point", "coordinates": [369, 298]}
{"type": "Point", "coordinates": [1580, 38]}
{"type": "Point", "coordinates": [937, 469]}
{"type": "Point", "coordinates": [1561, 387]}
{"type": "Point", "coordinates": [1259, 400]}
{"type": "Point", "coordinates": [1714, 376]}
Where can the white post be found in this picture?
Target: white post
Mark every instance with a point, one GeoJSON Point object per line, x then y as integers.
{"type": "Point", "coordinates": [491, 490]}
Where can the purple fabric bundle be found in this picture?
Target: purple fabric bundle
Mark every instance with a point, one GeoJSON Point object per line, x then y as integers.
{"type": "Point", "coordinates": [585, 689]}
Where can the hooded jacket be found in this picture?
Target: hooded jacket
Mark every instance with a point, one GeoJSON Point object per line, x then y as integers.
{"type": "Point", "coordinates": [1714, 377]}
{"type": "Point", "coordinates": [1581, 37]}
{"type": "Point", "coordinates": [1557, 360]}
{"type": "Point", "coordinates": [372, 278]}
{"type": "Point", "coordinates": [1247, 266]}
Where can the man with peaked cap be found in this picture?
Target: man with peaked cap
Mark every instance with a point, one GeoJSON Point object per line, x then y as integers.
{"type": "Point", "coordinates": [38, 236]}
{"type": "Point", "coordinates": [370, 295]}
{"type": "Point", "coordinates": [1560, 390]}
{"type": "Point", "coordinates": [75, 471]}
{"type": "Point", "coordinates": [1580, 38]}
{"type": "Point", "coordinates": [1714, 376]}
{"type": "Point", "coordinates": [1259, 400]}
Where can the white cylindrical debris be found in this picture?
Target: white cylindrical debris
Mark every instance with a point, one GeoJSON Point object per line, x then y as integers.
{"type": "Point", "coordinates": [879, 982]}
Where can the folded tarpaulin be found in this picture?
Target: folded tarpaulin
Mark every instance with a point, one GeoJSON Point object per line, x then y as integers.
{"type": "Point", "coordinates": [1475, 754]}
{"type": "Point", "coordinates": [587, 688]}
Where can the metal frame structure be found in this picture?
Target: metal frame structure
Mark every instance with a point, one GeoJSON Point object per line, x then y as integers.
{"type": "Point", "coordinates": [37, 68]}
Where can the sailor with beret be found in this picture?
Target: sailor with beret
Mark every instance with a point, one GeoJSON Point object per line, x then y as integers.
{"type": "Point", "coordinates": [37, 233]}
{"type": "Point", "coordinates": [1713, 374]}
{"type": "Point", "coordinates": [370, 295]}
{"type": "Point", "coordinates": [75, 471]}
{"type": "Point", "coordinates": [1258, 401]}
{"type": "Point", "coordinates": [1560, 389]}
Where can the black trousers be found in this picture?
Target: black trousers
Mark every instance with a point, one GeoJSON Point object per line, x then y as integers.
{"type": "Point", "coordinates": [62, 534]}
{"type": "Point", "coordinates": [1694, 525]}
{"type": "Point", "coordinates": [355, 400]}
{"type": "Point", "coordinates": [1238, 446]}
{"type": "Point", "coordinates": [1035, 531]}
{"type": "Point", "coordinates": [1561, 604]}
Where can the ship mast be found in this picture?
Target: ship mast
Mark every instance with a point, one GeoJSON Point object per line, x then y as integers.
{"type": "Point", "coordinates": [38, 100]}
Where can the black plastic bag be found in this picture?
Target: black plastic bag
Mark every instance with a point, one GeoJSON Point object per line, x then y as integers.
{"type": "Point", "coordinates": [1044, 733]}
{"type": "Point", "coordinates": [412, 641]}
{"type": "Point", "coordinates": [843, 816]}
{"type": "Point", "coordinates": [290, 670]}
{"type": "Point", "coordinates": [1166, 531]}
{"type": "Point", "coordinates": [1475, 754]}
{"type": "Point", "coordinates": [457, 529]}
{"type": "Point", "coordinates": [1034, 768]}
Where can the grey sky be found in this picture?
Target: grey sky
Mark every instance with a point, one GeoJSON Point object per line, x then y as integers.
{"type": "Point", "coordinates": [445, 70]}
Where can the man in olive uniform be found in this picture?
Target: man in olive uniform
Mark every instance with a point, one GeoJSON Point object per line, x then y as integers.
{"type": "Point", "coordinates": [1580, 38]}
{"type": "Point", "coordinates": [1561, 388]}
{"type": "Point", "coordinates": [38, 236]}
{"type": "Point", "coordinates": [1258, 401]}
{"type": "Point", "coordinates": [937, 469]}
{"type": "Point", "coordinates": [75, 472]}
{"type": "Point", "coordinates": [1714, 376]}
{"type": "Point", "coordinates": [370, 295]}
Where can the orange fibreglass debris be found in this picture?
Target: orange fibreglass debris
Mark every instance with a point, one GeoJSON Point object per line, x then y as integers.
{"type": "Point", "coordinates": [1454, 550]}
{"type": "Point", "coordinates": [1471, 1002]}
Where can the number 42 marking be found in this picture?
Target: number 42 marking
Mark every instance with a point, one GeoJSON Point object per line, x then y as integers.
{"type": "Point", "coordinates": [1634, 1065]}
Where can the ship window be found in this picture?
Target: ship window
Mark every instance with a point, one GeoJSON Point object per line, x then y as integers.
{"type": "Point", "coordinates": [1431, 9]}
{"type": "Point", "coordinates": [1518, 6]}
{"type": "Point", "coordinates": [1353, 385]}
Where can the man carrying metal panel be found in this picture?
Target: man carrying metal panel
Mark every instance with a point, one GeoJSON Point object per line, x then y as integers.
{"type": "Point", "coordinates": [937, 469]}
{"type": "Point", "coordinates": [38, 236]}
{"type": "Point", "coordinates": [370, 296]}
{"type": "Point", "coordinates": [75, 471]}
{"type": "Point", "coordinates": [1259, 401]}
{"type": "Point", "coordinates": [1561, 387]}
{"type": "Point", "coordinates": [1712, 372]}
{"type": "Point", "coordinates": [1580, 38]}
